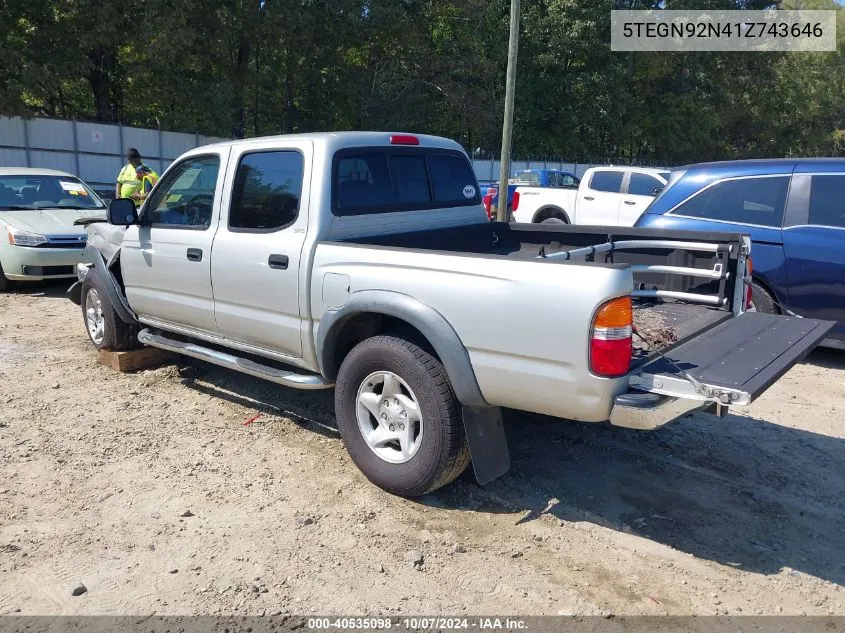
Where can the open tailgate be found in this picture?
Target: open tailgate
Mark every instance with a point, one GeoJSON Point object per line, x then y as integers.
{"type": "Point", "coordinates": [734, 362]}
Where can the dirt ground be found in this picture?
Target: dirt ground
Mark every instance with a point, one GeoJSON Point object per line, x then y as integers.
{"type": "Point", "coordinates": [150, 490]}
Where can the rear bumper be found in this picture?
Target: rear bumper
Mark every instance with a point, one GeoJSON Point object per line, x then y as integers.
{"type": "Point", "coordinates": [648, 411]}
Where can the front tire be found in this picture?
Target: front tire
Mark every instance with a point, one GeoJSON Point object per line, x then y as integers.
{"type": "Point", "coordinates": [106, 330]}
{"type": "Point", "coordinates": [399, 418]}
{"type": "Point", "coordinates": [5, 284]}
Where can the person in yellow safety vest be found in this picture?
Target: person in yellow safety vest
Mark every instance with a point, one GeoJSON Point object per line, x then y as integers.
{"type": "Point", "coordinates": [148, 180]}
{"type": "Point", "coordinates": [128, 182]}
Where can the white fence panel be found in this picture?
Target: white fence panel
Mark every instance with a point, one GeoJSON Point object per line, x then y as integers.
{"type": "Point", "coordinates": [46, 159]}
{"type": "Point", "coordinates": [208, 140]}
{"type": "Point", "coordinates": [11, 132]}
{"type": "Point", "coordinates": [50, 134]}
{"type": "Point", "coordinates": [98, 169]}
{"type": "Point", "coordinates": [13, 157]}
{"type": "Point", "coordinates": [176, 143]}
{"type": "Point", "coordinates": [145, 141]}
{"type": "Point", "coordinates": [98, 138]}
{"type": "Point", "coordinates": [94, 151]}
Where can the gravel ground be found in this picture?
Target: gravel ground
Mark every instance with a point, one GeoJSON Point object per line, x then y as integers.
{"type": "Point", "coordinates": [153, 491]}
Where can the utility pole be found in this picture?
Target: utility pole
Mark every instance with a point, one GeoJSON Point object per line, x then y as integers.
{"type": "Point", "coordinates": [507, 126]}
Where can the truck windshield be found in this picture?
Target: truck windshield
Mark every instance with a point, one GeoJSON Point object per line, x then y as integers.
{"type": "Point", "coordinates": [41, 192]}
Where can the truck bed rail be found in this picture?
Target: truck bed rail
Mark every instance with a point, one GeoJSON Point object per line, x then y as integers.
{"type": "Point", "coordinates": [718, 272]}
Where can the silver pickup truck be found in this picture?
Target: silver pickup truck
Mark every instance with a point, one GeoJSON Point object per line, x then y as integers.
{"type": "Point", "coordinates": [365, 262]}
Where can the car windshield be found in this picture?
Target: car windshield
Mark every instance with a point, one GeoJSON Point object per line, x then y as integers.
{"type": "Point", "coordinates": [32, 192]}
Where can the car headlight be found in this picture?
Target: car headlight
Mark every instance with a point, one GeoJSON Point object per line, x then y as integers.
{"type": "Point", "coordinates": [25, 238]}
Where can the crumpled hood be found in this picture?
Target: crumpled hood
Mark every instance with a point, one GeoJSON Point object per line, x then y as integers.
{"type": "Point", "coordinates": [49, 221]}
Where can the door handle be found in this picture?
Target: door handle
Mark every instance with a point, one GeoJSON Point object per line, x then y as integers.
{"type": "Point", "coordinates": [629, 202]}
{"type": "Point", "coordinates": [278, 261]}
{"type": "Point", "coordinates": [589, 198]}
{"type": "Point", "coordinates": [194, 255]}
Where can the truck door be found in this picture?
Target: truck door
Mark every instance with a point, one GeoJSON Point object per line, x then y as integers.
{"type": "Point", "coordinates": [255, 260]}
{"type": "Point", "coordinates": [814, 246]}
{"type": "Point", "coordinates": [165, 259]}
{"type": "Point", "coordinates": [639, 193]}
{"type": "Point", "coordinates": [599, 198]}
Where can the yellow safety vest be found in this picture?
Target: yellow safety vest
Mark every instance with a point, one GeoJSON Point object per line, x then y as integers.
{"type": "Point", "coordinates": [147, 184]}
{"type": "Point", "coordinates": [128, 181]}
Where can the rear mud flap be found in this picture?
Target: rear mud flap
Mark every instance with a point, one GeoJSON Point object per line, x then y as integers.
{"type": "Point", "coordinates": [735, 362]}
{"type": "Point", "coordinates": [488, 445]}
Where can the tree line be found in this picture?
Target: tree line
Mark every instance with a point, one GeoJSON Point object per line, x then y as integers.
{"type": "Point", "coordinates": [252, 67]}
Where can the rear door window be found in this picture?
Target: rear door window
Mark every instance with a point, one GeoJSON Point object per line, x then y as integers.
{"type": "Point", "coordinates": [266, 191]}
{"type": "Point", "coordinates": [643, 185]}
{"type": "Point", "coordinates": [757, 201]}
{"type": "Point", "coordinates": [827, 200]}
{"type": "Point", "coordinates": [383, 181]}
{"type": "Point", "coordinates": [610, 181]}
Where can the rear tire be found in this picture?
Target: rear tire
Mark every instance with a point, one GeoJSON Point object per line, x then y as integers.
{"type": "Point", "coordinates": [761, 300]}
{"type": "Point", "coordinates": [552, 221]}
{"type": "Point", "coordinates": [5, 284]}
{"type": "Point", "coordinates": [386, 382]}
{"type": "Point", "coordinates": [106, 330]}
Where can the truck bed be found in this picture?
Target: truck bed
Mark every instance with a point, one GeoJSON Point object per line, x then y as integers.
{"type": "Point", "coordinates": [530, 241]}
{"type": "Point", "coordinates": [662, 325]}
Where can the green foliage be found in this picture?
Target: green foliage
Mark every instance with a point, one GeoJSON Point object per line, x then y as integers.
{"type": "Point", "coordinates": [436, 66]}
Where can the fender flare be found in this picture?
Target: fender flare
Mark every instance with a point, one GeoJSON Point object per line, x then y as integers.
{"type": "Point", "coordinates": [433, 326]}
{"type": "Point", "coordinates": [551, 207]}
{"type": "Point", "coordinates": [112, 287]}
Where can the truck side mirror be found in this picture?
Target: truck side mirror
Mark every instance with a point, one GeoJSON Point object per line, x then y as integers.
{"type": "Point", "coordinates": [122, 212]}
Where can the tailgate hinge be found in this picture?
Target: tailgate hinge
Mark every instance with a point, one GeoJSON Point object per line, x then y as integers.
{"type": "Point", "coordinates": [686, 386]}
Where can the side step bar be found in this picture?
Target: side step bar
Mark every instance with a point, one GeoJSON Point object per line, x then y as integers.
{"type": "Point", "coordinates": [243, 365]}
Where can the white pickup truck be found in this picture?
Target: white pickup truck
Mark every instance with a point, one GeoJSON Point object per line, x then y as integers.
{"type": "Point", "coordinates": [606, 196]}
{"type": "Point", "coordinates": [364, 262]}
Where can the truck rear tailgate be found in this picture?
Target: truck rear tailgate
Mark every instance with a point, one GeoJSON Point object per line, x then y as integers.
{"type": "Point", "coordinates": [734, 362]}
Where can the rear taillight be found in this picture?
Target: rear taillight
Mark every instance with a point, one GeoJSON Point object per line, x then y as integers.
{"type": "Point", "coordinates": [488, 204]}
{"type": "Point", "coordinates": [610, 341]}
{"type": "Point", "coordinates": [515, 203]}
{"type": "Point", "coordinates": [748, 284]}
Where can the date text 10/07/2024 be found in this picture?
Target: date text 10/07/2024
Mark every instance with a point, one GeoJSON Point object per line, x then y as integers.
{"type": "Point", "coordinates": [419, 623]}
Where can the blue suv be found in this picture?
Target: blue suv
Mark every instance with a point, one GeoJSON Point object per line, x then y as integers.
{"type": "Point", "coordinates": [794, 211]}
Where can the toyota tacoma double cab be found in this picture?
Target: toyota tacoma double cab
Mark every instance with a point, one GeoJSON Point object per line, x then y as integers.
{"type": "Point", "coordinates": [364, 262]}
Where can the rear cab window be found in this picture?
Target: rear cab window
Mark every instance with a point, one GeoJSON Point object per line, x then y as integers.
{"type": "Point", "coordinates": [390, 179]}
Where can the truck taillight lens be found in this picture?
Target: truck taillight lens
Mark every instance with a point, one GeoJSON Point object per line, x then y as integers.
{"type": "Point", "coordinates": [515, 203]}
{"type": "Point", "coordinates": [610, 342]}
{"type": "Point", "coordinates": [748, 284]}
{"type": "Point", "coordinates": [488, 203]}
